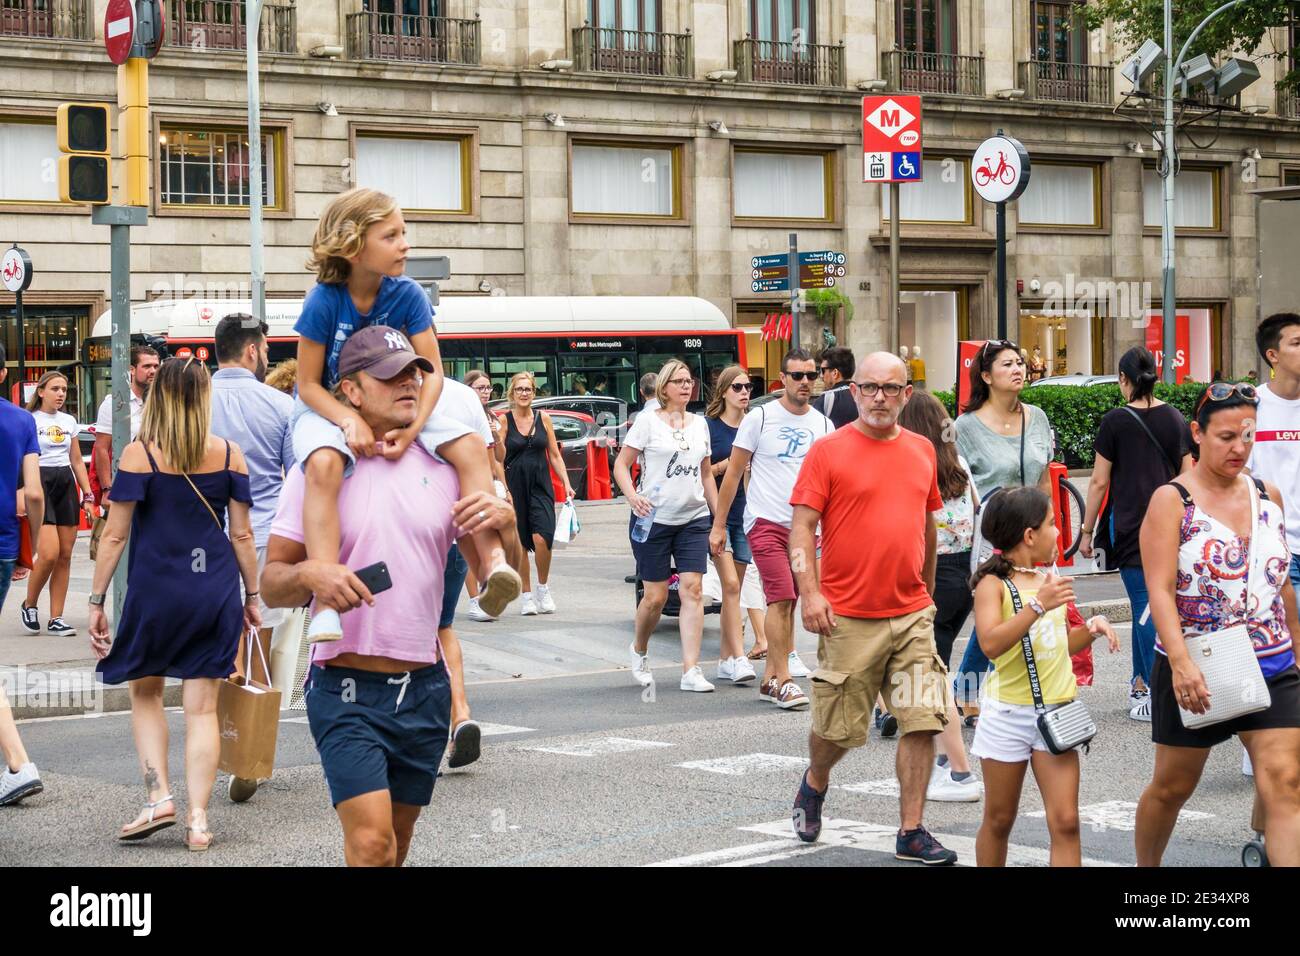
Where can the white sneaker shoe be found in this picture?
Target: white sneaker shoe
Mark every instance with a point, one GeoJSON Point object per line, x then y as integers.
{"type": "Point", "coordinates": [743, 671]}
{"type": "Point", "coordinates": [325, 626]}
{"type": "Point", "coordinates": [944, 789]}
{"type": "Point", "coordinates": [1135, 697]}
{"type": "Point", "coordinates": [20, 785]}
{"type": "Point", "coordinates": [545, 603]}
{"type": "Point", "coordinates": [528, 606]}
{"type": "Point", "coordinates": [640, 667]}
{"type": "Point", "coordinates": [1142, 710]}
{"type": "Point", "coordinates": [727, 669]}
{"type": "Point", "coordinates": [476, 613]}
{"type": "Point", "coordinates": [797, 667]}
{"type": "Point", "coordinates": [694, 680]}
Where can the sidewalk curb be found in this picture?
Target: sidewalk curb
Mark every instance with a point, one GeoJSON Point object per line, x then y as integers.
{"type": "Point", "coordinates": [1118, 611]}
{"type": "Point", "coordinates": [114, 700]}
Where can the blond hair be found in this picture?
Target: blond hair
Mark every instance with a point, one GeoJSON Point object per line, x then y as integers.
{"type": "Point", "coordinates": [177, 415]}
{"type": "Point", "coordinates": [526, 376]}
{"type": "Point", "coordinates": [284, 376]}
{"type": "Point", "coordinates": [665, 373]}
{"type": "Point", "coordinates": [38, 394]}
{"type": "Point", "coordinates": [341, 231]}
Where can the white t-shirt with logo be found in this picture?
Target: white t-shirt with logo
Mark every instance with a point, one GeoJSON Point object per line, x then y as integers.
{"type": "Point", "coordinates": [676, 470]}
{"type": "Point", "coordinates": [779, 441]}
{"type": "Point", "coordinates": [57, 434]}
{"type": "Point", "coordinates": [1275, 456]}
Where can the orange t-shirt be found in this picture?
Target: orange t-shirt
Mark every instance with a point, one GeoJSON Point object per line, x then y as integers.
{"type": "Point", "coordinates": [873, 497]}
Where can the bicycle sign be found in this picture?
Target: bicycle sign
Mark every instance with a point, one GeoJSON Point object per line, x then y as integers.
{"type": "Point", "coordinates": [16, 270]}
{"type": "Point", "coordinates": [1000, 169]}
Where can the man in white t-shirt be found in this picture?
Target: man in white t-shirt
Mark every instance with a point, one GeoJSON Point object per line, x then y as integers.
{"type": "Point", "coordinates": [144, 366]}
{"type": "Point", "coordinates": [776, 438]}
{"type": "Point", "coordinates": [1275, 456]}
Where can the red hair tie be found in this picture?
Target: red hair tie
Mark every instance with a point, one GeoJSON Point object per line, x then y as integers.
{"type": "Point", "coordinates": [997, 552]}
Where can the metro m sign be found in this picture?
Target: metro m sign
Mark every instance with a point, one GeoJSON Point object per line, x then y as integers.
{"type": "Point", "coordinates": [891, 139]}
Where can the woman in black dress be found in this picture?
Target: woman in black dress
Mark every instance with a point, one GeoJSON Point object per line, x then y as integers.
{"type": "Point", "coordinates": [529, 453]}
{"type": "Point", "coordinates": [182, 615]}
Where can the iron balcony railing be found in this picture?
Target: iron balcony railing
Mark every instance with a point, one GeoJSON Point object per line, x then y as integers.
{"type": "Point", "coordinates": [1067, 82]}
{"type": "Point", "coordinates": [219, 25]}
{"type": "Point", "coordinates": [413, 39]}
{"type": "Point", "coordinates": [602, 50]}
{"type": "Point", "coordinates": [796, 64]}
{"type": "Point", "coordinates": [1288, 103]}
{"type": "Point", "coordinates": [908, 71]}
{"type": "Point", "coordinates": [47, 19]}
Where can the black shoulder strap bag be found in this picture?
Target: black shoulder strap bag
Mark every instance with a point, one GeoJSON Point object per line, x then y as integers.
{"type": "Point", "coordinates": [1065, 727]}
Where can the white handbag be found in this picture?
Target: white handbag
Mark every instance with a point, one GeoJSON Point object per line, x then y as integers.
{"type": "Point", "coordinates": [1227, 657]}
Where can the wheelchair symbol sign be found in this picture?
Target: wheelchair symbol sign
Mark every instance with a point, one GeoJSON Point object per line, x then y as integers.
{"type": "Point", "coordinates": [907, 166]}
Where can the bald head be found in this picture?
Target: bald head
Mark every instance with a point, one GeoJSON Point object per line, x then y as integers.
{"type": "Point", "coordinates": [882, 367]}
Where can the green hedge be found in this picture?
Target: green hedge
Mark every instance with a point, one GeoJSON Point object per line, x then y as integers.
{"type": "Point", "coordinates": [1075, 411]}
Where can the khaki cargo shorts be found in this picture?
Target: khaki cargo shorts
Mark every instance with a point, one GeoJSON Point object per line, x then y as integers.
{"type": "Point", "coordinates": [893, 656]}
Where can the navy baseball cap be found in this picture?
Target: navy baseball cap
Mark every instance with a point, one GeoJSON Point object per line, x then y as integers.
{"type": "Point", "coordinates": [380, 350]}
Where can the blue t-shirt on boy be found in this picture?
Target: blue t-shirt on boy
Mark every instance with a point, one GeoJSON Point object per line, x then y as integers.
{"type": "Point", "coordinates": [17, 440]}
{"type": "Point", "coordinates": [329, 316]}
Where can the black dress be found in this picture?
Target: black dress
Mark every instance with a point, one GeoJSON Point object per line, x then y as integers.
{"type": "Point", "coordinates": [528, 476]}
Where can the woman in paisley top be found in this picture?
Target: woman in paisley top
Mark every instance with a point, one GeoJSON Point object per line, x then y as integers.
{"type": "Point", "coordinates": [1195, 550]}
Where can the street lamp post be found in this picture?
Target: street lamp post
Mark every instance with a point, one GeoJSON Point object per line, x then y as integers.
{"type": "Point", "coordinates": [252, 29]}
{"type": "Point", "coordinates": [1169, 169]}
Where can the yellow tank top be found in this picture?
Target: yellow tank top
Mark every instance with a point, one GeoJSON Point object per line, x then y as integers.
{"type": "Point", "coordinates": [1050, 635]}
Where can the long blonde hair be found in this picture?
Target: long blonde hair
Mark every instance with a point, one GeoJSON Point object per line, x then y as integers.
{"type": "Point", "coordinates": [341, 231]}
{"type": "Point", "coordinates": [35, 403]}
{"type": "Point", "coordinates": [178, 413]}
{"type": "Point", "coordinates": [718, 400]}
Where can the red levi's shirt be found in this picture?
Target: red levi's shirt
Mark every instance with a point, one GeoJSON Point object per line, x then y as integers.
{"type": "Point", "coordinates": [874, 497]}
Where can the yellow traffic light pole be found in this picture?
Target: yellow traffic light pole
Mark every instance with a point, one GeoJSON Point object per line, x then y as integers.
{"type": "Point", "coordinates": [133, 130]}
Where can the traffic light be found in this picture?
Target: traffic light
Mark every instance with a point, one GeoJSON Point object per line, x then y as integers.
{"type": "Point", "coordinates": [84, 139]}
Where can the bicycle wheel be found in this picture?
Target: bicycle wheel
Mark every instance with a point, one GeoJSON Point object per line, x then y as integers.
{"type": "Point", "coordinates": [982, 176]}
{"type": "Point", "coordinates": [1008, 176]}
{"type": "Point", "coordinates": [1074, 507]}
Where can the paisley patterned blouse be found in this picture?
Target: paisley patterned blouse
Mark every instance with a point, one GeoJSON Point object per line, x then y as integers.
{"type": "Point", "coordinates": [1210, 590]}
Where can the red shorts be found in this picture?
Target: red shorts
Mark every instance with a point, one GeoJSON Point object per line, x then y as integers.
{"type": "Point", "coordinates": [770, 543]}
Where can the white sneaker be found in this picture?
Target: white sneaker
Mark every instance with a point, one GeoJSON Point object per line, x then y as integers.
{"type": "Point", "coordinates": [476, 613]}
{"type": "Point", "coordinates": [640, 667]}
{"type": "Point", "coordinates": [727, 669]}
{"type": "Point", "coordinates": [694, 680]}
{"type": "Point", "coordinates": [528, 606]}
{"type": "Point", "coordinates": [325, 626]}
{"type": "Point", "coordinates": [545, 603]}
{"type": "Point", "coordinates": [1246, 768]}
{"type": "Point", "coordinates": [797, 667]}
{"type": "Point", "coordinates": [743, 671]}
{"type": "Point", "coordinates": [20, 785]}
{"type": "Point", "coordinates": [1142, 710]}
{"type": "Point", "coordinates": [944, 789]}
{"type": "Point", "coordinates": [1135, 697]}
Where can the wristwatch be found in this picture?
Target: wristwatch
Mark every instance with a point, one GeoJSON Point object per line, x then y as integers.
{"type": "Point", "coordinates": [97, 600]}
{"type": "Point", "coordinates": [1034, 605]}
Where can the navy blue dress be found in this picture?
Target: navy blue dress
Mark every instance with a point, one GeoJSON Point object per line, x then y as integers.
{"type": "Point", "coordinates": [183, 614]}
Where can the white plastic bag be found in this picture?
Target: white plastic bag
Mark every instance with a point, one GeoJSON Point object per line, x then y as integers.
{"type": "Point", "coordinates": [567, 525]}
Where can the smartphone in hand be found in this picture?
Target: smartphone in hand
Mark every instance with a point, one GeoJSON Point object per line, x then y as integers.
{"type": "Point", "coordinates": [375, 577]}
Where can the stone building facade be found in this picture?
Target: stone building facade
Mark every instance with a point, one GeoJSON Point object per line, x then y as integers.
{"type": "Point", "coordinates": [531, 141]}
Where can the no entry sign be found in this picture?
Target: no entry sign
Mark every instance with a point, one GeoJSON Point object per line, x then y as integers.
{"type": "Point", "coordinates": [891, 139]}
{"type": "Point", "coordinates": [119, 30]}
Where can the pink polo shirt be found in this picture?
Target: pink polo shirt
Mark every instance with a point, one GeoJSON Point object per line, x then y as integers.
{"type": "Point", "coordinates": [398, 512]}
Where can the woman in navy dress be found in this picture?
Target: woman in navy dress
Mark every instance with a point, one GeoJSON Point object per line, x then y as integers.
{"type": "Point", "coordinates": [183, 615]}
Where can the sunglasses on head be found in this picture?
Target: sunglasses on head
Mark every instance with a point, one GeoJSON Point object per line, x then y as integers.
{"type": "Point", "coordinates": [998, 345]}
{"type": "Point", "coordinates": [801, 376]}
{"type": "Point", "coordinates": [742, 386]}
{"type": "Point", "coordinates": [1222, 391]}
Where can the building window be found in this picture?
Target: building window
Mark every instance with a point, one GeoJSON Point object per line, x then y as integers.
{"type": "Point", "coordinates": [777, 20]}
{"type": "Point", "coordinates": [1196, 199]}
{"type": "Point", "coordinates": [1062, 194]}
{"type": "Point", "coordinates": [640, 15]}
{"type": "Point", "coordinates": [610, 179]}
{"type": "Point", "coordinates": [943, 195]}
{"type": "Point", "coordinates": [926, 26]}
{"type": "Point", "coordinates": [29, 162]}
{"type": "Point", "coordinates": [209, 167]}
{"type": "Point", "coordinates": [784, 185]}
{"type": "Point", "coordinates": [1290, 176]}
{"type": "Point", "coordinates": [422, 174]}
{"type": "Point", "coordinates": [1060, 35]}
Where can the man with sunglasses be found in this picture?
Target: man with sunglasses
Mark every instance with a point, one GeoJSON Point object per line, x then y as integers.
{"type": "Point", "coordinates": [773, 442]}
{"type": "Point", "coordinates": [873, 487]}
{"type": "Point", "coordinates": [836, 368]}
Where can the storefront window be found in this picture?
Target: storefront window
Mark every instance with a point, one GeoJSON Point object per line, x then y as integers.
{"type": "Point", "coordinates": [933, 321]}
{"type": "Point", "coordinates": [52, 335]}
{"type": "Point", "coordinates": [1196, 352]}
{"type": "Point", "coordinates": [1061, 344]}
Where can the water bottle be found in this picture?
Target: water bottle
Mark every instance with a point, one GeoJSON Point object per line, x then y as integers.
{"type": "Point", "coordinates": [641, 530]}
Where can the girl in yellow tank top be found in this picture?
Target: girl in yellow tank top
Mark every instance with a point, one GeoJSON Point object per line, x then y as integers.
{"type": "Point", "coordinates": [1021, 526]}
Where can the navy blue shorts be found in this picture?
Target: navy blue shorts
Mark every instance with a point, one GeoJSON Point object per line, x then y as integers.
{"type": "Point", "coordinates": [685, 546]}
{"type": "Point", "coordinates": [453, 579]}
{"type": "Point", "coordinates": [380, 731]}
{"type": "Point", "coordinates": [737, 542]}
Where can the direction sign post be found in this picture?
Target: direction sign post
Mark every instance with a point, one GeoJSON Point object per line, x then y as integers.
{"type": "Point", "coordinates": [119, 30]}
{"type": "Point", "coordinates": [16, 272]}
{"type": "Point", "coordinates": [1000, 173]}
{"type": "Point", "coordinates": [792, 278]}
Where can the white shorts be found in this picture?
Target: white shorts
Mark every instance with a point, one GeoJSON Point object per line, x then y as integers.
{"type": "Point", "coordinates": [271, 616]}
{"type": "Point", "coordinates": [1007, 732]}
{"type": "Point", "coordinates": [312, 432]}
{"type": "Point", "coordinates": [751, 590]}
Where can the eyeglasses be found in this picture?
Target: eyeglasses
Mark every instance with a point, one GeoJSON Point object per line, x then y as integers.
{"type": "Point", "coordinates": [742, 386]}
{"type": "Point", "coordinates": [801, 376]}
{"type": "Point", "coordinates": [679, 436]}
{"type": "Point", "coordinates": [485, 387]}
{"type": "Point", "coordinates": [523, 390]}
{"type": "Point", "coordinates": [999, 345]}
{"type": "Point", "coordinates": [869, 389]}
{"type": "Point", "coordinates": [1222, 391]}
{"type": "Point", "coordinates": [681, 381]}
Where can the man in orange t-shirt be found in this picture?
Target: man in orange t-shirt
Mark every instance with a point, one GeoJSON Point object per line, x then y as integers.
{"type": "Point", "coordinates": [874, 488]}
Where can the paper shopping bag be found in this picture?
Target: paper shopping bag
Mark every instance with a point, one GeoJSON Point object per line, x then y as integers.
{"type": "Point", "coordinates": [566, 525]}
{"type": "Point", "coordinates": [248, 715]}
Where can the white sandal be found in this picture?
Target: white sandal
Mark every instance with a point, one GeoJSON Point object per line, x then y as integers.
{"type": "Point", "coordinates": [153, 824]}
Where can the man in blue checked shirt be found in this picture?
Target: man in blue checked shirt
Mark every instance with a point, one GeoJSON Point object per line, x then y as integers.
{"type": "Point", "coordinates": [256, 417]}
